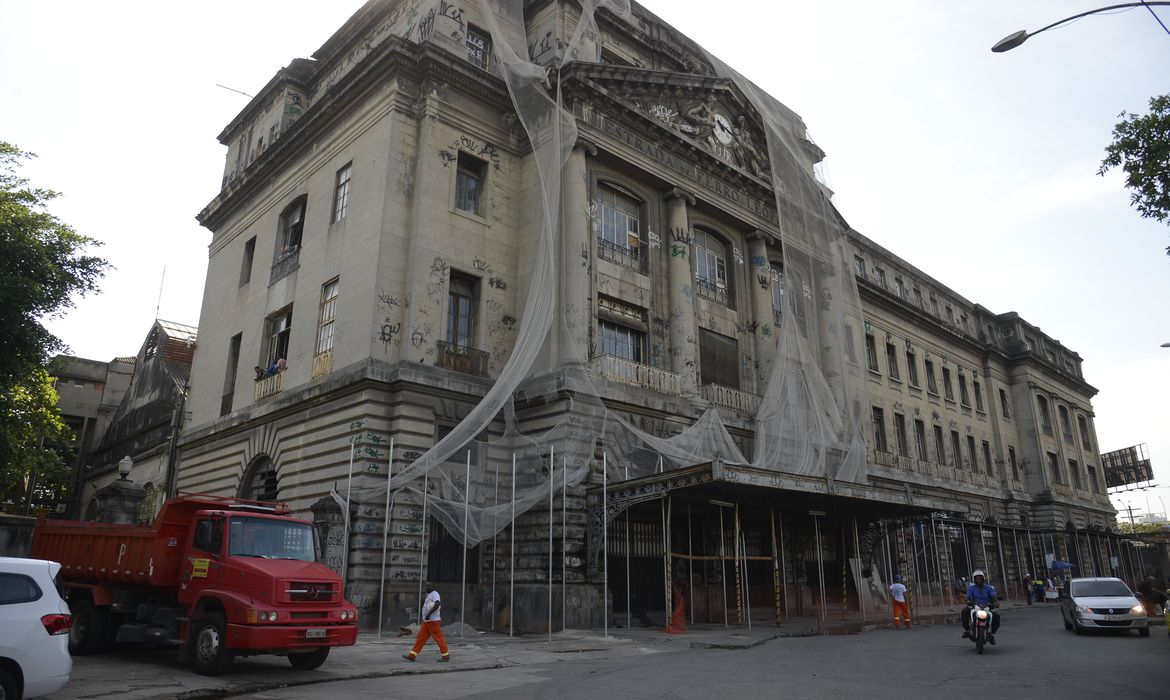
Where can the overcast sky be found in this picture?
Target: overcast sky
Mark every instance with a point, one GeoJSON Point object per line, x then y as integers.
{"type": "Point", "coordinates": [978, 168]}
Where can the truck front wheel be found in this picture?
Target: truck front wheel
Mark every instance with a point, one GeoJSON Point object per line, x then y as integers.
{"type": "Point", "coordinates": [309, 660]}
{"type": "Point", "coordinates": [209, 653]}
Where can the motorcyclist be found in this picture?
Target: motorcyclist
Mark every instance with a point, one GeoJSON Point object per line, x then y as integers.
{"type": "Point", "coordinates": [980, 593]}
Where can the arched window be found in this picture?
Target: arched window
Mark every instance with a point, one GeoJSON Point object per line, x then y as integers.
{"type": "Point", "coordinates": [260, 482]}
{"type": "Point", "coordinates": [292, 225]}
{"type": "Point", "coordinates": [617, 225]}
{"type": "Point", "coordinates": [1045, 415]}
{"type": "Point", "coordinates": [712, 274]}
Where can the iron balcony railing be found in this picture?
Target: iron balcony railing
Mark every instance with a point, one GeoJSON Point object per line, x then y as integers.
{"type": "Point", "coordinates": [625, 371]}
{"type": "Point", "coordinates": [462, 359]}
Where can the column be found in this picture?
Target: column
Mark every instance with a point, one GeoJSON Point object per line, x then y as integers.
{"type": "Point", "coordinates": [571, 335]}
{"type": "Point", "coordinates": [767, 330]}
{"type": "Point", "coordinates": [684, 341]}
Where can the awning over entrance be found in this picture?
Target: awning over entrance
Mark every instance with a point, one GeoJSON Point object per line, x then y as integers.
{"type": "Point", "coordinates": [747, 484]}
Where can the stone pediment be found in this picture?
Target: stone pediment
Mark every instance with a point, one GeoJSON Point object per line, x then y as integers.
{"type": "Point", "coordinates": [709, 112]}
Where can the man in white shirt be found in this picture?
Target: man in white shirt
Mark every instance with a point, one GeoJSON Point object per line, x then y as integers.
{"type": "Point", "coordinates": [431, 626]}
{"type": "Point", "coordinates": [901, 606]}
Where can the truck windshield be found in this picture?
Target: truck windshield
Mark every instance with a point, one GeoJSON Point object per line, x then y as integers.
{"type": "Point", "coordinates": [271, 539]}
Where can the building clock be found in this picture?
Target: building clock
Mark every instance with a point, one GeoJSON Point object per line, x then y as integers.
{"type": "Point", "coordinates": [722, 128]}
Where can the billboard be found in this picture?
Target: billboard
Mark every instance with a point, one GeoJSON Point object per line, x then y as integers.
{"type": "Point", "coordinates": [1127, 466]}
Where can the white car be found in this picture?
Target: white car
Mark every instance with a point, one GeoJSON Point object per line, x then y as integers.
{"type": "Point", "coordinates": [1101, 603]}
{"type": "Point", "coordinates": [34, 636]}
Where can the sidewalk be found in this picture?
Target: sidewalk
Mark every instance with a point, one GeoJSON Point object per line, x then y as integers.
{"type": "Point", "coordinates": [148, 674]}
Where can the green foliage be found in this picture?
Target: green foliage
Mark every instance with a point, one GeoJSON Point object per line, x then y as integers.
{"type": "Point", "coordinates": [44, 268]}
{"type": "Point", "coordinates": [33, 441]}
{"type": "Point", "coordinates": [1141, 148]}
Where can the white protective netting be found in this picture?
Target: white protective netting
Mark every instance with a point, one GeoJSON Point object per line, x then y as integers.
{"type": "Point", "coordinates": [810, 417]}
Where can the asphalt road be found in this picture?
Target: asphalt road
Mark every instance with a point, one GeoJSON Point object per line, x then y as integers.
{"type": "Point", "coordinates": [1035, 659]}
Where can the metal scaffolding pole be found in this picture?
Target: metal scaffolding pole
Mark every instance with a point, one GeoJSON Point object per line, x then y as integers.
{"type": "Point", "coordinates": [605, 542]}
{"type": "Point", "coordinates": [690, 565]}
{"type": "Point", "coordinates": [738, 571]}
{"type": "Point", "coordinates": [723, 563]}
{"type": "Point", "coordinates": [466, 515]}
{"type": "Point", "coordinates": [512, 574]}
{"type": "Point", "coordinates": [385, 537]}
{"type": "Point", "coordinates": [495, 549]}
{"type": "Point", "coordinates": [821, 614]}
{"type": "Point", "coordinates": [775, 566]}
{"type": "Point", "coordinates": [422, 559]}
{"type": "Point", "coordinates": [552, 469]}
{"type": "Point", "coordinates": [783, 577]}
{"type": "Point", "coordinates": [564, 536]}
{"type": "Point", "coordinates": [857, 550]}
{"type": "Point", "coordinates": [999, 549]}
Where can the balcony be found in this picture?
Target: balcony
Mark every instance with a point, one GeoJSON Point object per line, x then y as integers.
{"type": "Point", "coordinates": [742, 402]}
{"type": "Point", "coordinates": [287, 264]}
{"type": "Point", "coordinates": [322, 365]}
{"type": "Point", "coordinates": [269, 386]}
{"type": "Point", "coordinates": [619, 254]}
{"type": "Point", "coordinates": [885, 459]}
{"type": "Point", "coordinates": [461, 359]}
{"type": "Point", "coordinates": [713, 291]}
{"type": "Point", "coordinates": [627, 372]}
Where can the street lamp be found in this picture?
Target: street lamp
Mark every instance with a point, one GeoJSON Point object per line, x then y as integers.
{"type": "Point", "coordinates": [1013, 40]}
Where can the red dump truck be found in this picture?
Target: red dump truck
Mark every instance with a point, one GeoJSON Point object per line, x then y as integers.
{"type": "Point", "coordinates": [217, 577]}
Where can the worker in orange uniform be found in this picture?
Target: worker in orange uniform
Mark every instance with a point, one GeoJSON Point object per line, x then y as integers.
{"type": "Point", "coordinates": [678, 618]}
{"type": "Point", "coordinates": [431, 626]}
{"type": "Point", "coordinates": [901, 606]}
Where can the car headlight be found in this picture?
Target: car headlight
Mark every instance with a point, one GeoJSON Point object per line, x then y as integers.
{"type": "Point", "coordinates": [1084, 610]}
{"type": "Point", "coordinates": [1138, 609]}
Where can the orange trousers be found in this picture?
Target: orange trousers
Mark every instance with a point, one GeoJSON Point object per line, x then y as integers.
{"type": "Point", "coordinates": [425, 631]}
{"type": "Point", "coordinates": [901, 611]}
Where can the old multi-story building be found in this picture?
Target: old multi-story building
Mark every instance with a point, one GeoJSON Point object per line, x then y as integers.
{"type": "Point", "coordinates": [552, 298]}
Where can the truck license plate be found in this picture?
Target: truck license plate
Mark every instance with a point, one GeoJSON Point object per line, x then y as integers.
{"type": "Point", "coordinates": [315, 633]}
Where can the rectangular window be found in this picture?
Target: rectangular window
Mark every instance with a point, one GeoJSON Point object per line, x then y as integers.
{"type": "Point", "coordinates": [987, 458]}
{"type": "Point", "coordinates": [1004, 406]}
{"type": "Point", "coordinates": [711, 271]}
{"type": "Point", "coordinates": [978, 396]}
{"type": "Point", "coordinates": [229, 380]}
{"type": "Point", "coordinates": [469, 177]}
{"type": "Point", "coordinates": [964, 396]}
{"type": "Point", "coordinates": [618, 229]}
{"type": "Point", "coordinates": [1083, 427]}
{"type": "Point", "coordinates": [920, 439]}
{"type": "Point", "coordinates": [850, 348]}
{"type": "Point", "coordinates": [1076, 473]}
{"type": "Point", "coordinates": [871, 360]}
{"type": "Point", "coordinates": [1065, 426]}
{"type": "Point", "coordinates": [948, 392]}
{"type": "Point", "coordinates": [1012, 461]}
{"type": "Point", "coordinates": [911, 367]}
{"type": "Point", "coordinates": [479, 47]}
{"type": "Point", "coordinates": [918, 297]}
{"type": "Point", "coordinates": [879, 430]}
{"type": "Point", "coordinates": [327, 316]}
{"type": "Point", "coordinates": [620, 341]}
{"type": "Point", "coordinates": [900, 438]}
{"type": "Point", "coordinates": [341, 193]}
{"type": "Point", "coordinates": [940, 449]}
{"type": "Point", "coordinates": [1092, 472]}
{"type": "Point", "coordinates": [956, 448]}
{"type": "Point", "coordinates": [900, 287]}
{"type": "Point", "coordinates": [718, 359]}
{"type": "Point", "coordinates": [279, 331]}
{"type": "Point", "coordinates": [973, 459]}
{"type": "Point", "coordinates": [246, 263]}
{"type": "Point", "coordinates": [1054, 466]}
{"type": "Point", "coordinates": [892, 360]}
{"type": "Point", "coordinates": [859, 265]}
{"type": "Point", "coordinates": [461, 305]}
{"type": "Point", "coordinates": [931, 384]}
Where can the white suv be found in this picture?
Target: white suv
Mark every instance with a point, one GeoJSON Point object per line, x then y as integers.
{"type": "Point", "coordinates": [34, 639]}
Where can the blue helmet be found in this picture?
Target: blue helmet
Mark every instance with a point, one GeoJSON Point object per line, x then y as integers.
{"type": "Point", "coordinates": [897, 577]}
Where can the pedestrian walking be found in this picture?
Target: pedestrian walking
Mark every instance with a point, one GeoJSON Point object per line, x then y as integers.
{"type": "Point", "coordinates": [431, 626]}
{"type": "Point", "coordinates": [901, 606]}
{"type": "Point", "coordinates": [1028, 586]}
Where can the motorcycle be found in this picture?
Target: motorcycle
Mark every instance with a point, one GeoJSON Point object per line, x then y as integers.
{"type": "Point", "coordinates": [981, 616]}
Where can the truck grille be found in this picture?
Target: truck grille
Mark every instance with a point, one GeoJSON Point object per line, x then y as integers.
{"type": "Point", "coordinates": [312, 592]}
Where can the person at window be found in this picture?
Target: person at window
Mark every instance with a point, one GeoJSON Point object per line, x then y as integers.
{"type": "Point", "coordinates": [281, 365]}
{"type": "Point", "coordinates": [260, 373]}
{"type": "Point", "coordinates": [271, 369]}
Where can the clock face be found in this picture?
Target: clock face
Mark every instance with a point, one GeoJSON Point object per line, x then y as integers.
{"type": "Point", "coordinates": [722, 128]}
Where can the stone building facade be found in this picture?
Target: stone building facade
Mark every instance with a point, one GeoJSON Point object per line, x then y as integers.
{"type": "Point", "coordinates": [374, 255]}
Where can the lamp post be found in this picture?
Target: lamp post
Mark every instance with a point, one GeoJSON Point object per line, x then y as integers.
{"type": "Point", "coordinates": [1013, 40]}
